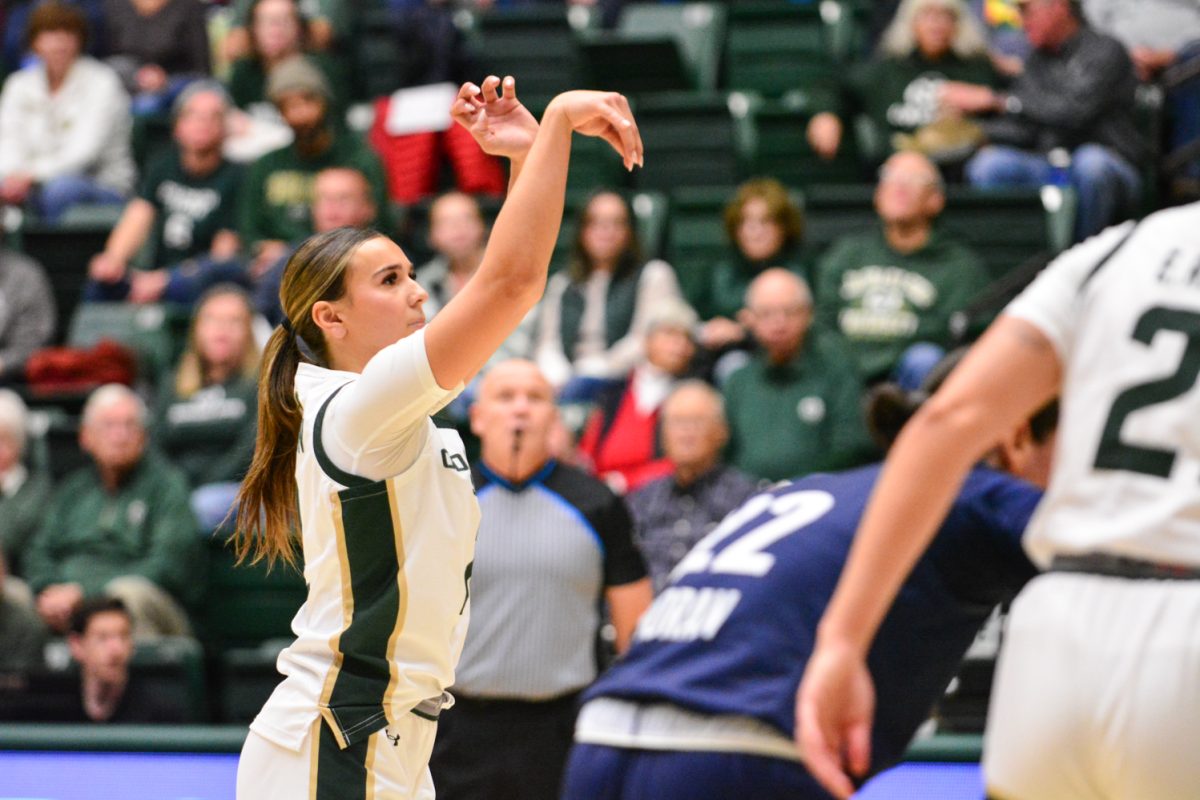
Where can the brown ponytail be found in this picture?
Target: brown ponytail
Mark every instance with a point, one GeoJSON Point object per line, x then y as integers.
{"type": "Point", "coordinates": [267, 508]}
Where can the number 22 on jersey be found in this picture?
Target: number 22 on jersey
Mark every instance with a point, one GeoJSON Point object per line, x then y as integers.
{"type": "Point", "coordinates": [746, 555]}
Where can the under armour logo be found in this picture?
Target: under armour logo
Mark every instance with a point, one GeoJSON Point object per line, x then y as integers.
{"type": "Point", "coordinates": [394, 739]}
{"type": "Point", "coordinates": [454, 461]}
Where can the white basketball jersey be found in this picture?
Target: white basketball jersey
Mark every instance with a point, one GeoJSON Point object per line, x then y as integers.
{"type": "Point", "coordinates": [387, 562]}
{"type": "Point", "coordinates": [1123, 312]}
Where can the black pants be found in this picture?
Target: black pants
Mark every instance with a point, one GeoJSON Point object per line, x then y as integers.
{"type": "Point", "coordinates": [503, 749]}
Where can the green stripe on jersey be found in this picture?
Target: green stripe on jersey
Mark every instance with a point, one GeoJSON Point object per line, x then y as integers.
{"type": "Point", "coordinates": [358, 692]}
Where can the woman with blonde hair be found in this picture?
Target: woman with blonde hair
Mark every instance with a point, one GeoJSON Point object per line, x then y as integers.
{"type": "Point", "coordinates": [382, 500]}
{"type": "Point", "coordinates": [204, 421]}
{"type": "Point", "coordinates": [930, 43]}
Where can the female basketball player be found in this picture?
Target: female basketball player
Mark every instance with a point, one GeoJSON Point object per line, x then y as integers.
{"type": "Point", "coordinates": [1097, 693]}
{"type": "Point", "coordinates": [385, 506]}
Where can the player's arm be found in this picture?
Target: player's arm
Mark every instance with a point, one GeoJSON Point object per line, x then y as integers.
{"type": "Point", "coordinates": [626, 604]}
{"type": "Point", "coordinates": [512, 275]}
{"type": "Point", "coordinates": [131, 232]}
{"type": "Point", "coordinates": [1013, 371]}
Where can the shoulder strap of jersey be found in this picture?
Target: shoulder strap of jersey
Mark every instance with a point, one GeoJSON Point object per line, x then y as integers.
{"type": "Point", "coordinates": [1108, 257]}
{"type": "Point", "coordinates": [323, 459]}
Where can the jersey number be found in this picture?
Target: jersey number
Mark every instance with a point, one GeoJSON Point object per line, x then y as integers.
{"type": "Point", "coordinates": [1116, 454]}
{"type": "Point", "coordinates": [746, 556]}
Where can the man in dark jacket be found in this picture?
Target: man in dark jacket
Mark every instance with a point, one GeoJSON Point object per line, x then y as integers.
{"type": "Point", "coordinates": [1076, 94]}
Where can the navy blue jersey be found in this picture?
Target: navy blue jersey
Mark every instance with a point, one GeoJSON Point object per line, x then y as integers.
{"type": "Point", "coordinates": [733, 631]}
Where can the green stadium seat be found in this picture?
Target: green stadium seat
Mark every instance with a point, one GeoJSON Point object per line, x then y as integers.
{"type": "Point", "coordinates": [154, 332]}
{"type": "Point", "coordinates": [247, 677]}
{"type": "Point", "coordinates": [782, 150]}
{"type": "Point", "coordinates": [378, 60]}
{"type": "Point", "coordinates": [53, 445]}
{"type": "Point", "coordinates": [658, 47]}
{"type": "Point", "coordinates": [173, 666]}
{"type": "Point", "coordinates": [594, 164]}
{"type": "Point", "coordinates": [535, 44]}
{"type": "Point", "coordinates": [247, 605]}
{"type": "Point", "coordinates": [775, 47]}
{"type": "Point", "coordinates": [696, 237]}
{"type": "Point", "coordinates": [1005, 228]}
{"type": "Point", "coordinates": [65, 248]}
{"type": "Point", "coordinates": [694, 139]}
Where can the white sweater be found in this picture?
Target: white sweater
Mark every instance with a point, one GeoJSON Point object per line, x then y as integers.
{"type": "Point", "coordinates": [82, 129]}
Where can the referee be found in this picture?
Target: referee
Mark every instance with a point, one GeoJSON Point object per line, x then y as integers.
{"type": "Point", "coordinates": [554, 545]}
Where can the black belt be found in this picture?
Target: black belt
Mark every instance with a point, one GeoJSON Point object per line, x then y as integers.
{"type": "Point", "coordinates": [1123, 567]}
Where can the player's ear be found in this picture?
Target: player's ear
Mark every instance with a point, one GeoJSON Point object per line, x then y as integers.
{"type": "Point", "coordinates": [328, 318]}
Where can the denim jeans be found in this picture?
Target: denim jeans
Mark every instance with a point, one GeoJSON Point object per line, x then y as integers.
{"type": "Point", "coordinates": [55, 196]}
{"type": "Point", "coordinates": [186, 281]}
{"type": "Point", "coordinates": [1107, 186]}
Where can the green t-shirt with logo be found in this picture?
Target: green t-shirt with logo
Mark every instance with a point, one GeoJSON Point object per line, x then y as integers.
{"type": "Point", "coordinates": [882, 301]}
{"type": "Point", "coordinates": [189, 210]}
{"type": "Point", "coordinates": [800, 417]}
{"type": "Point", "coordinates": [210, 433]}
{"type": "Point", "coordinates": [277, 194]}
{"type": "Point", "coordinates": [899, 95]}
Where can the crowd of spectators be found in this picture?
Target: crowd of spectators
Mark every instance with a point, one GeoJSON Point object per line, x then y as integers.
{"type": "Point", "coordinates": [695, 388]}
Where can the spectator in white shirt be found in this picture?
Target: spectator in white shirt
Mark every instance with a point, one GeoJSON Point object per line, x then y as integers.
{"type": "Point", "coordinates": [64, 122]}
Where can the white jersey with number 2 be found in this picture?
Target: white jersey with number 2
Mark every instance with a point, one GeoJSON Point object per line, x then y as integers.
{"type": "Point", "coordinates": [1123, 312]}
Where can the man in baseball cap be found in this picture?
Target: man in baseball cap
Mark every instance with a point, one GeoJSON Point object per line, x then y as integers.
{"type": "Point", "coordinates": [278, 197]}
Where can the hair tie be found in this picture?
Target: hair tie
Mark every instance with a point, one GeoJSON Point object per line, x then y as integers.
{"type": "Point", "coordinates": [286, 324]}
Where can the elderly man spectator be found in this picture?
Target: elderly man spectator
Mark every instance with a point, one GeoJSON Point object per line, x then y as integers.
{"type": "Point", "coordinates": [184, 208]}
{"type": "Point", "coordinates": [898, 284]}
{"type": "Point", "coordinates": [64, 122]}
{"type": "Point", "coordinates": [795, 408]}
{"type": "Point", "coordinates": [120, 527]}
{"type": "Point", "coordinates": [27, 312]}
{"type": "Point", "coordinates": [23, 492]}
{"type": "Point", "coordinates": [1075, 93]}
{"type": "Point", "coordinates": [278, 191]}
{"type": "Point", "coordinates": [342, 197]}
{"type": "Point", "coordinates": [620, 442]}
{"type": "Point", "coordinates": [674, 512]}
{"type": "Point", "coordinates": [554, 543]}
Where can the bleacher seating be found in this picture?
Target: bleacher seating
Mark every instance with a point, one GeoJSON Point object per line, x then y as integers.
{"type": "Point", "coordinates": [693, 139]}
{"type": "Point", "coordinates": [657, 47]}
{"type": "Point", "coordinates": [535, 43]}
{"type": "Point", "coordinates": [155, 332]}
{"type": "Point", "coordinates": [775, 47]}
{"type": "Point", "coordinates": [781, 147]}
{"type": "Point", "coordinates": [173, 666]}
{"type": "Point", "coordinates": [65, 249]}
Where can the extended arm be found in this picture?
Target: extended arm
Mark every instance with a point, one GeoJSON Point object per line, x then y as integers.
{"type": "Point", "coordinates": [1013, 371]}
{"type": "Point", "coordinates": [512, 276]}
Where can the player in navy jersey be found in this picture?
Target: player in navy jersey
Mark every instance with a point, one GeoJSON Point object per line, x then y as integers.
{"type": "Point", "coordinates": [703, 705]}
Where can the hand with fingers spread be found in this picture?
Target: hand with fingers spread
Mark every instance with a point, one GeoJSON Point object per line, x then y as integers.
{"type": "Point", "coordinates": [834, 708]}
{"type": "Point", "coordinates": [605, 115]}
{"type": "Point", "coordinates": [499, 122]}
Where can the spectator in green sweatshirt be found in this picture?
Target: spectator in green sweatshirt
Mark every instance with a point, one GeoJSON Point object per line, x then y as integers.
{"type": "Point", "coordinates": [898, 284]}
{"type": "Point", "coordinates": [796, 407]}
{"type": "Point", "coordinates": [119, 527]}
